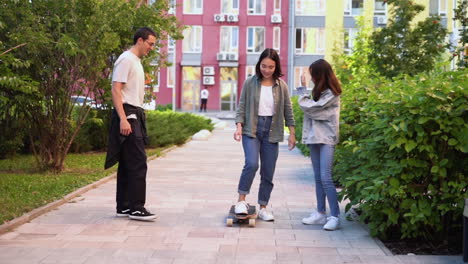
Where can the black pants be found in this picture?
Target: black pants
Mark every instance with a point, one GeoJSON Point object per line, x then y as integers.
{"type": "Point", "coordinates": [203, 104]}
{"type": "Point", "coordinates": [131, 174]}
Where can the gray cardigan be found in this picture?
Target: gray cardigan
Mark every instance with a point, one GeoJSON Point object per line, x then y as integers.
{"type": "Point", "coordinates": [247, 111]}
{"type": "Point", "coordinates": [321, 119]}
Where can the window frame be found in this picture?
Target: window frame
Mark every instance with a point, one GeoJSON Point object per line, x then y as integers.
{"type": "Point", "coordinates": [276, 30]}
{"type": "Point", "coordinates": [197, 10]}
{"type": "Point", "coordinates": [255, 41]}
{"type": "Point", "coordinates": [194, 44]}
{"type": "Point", "coordinates": [320, 12]}
{"type": "Point", "coordinates": [231, 3]}
{"type": "Point", "coordinates": [232, 38]}
{"type": "Point", "coordinates": [349, 12]}
{"type": "Point", "coordinates": [251, 11]}
{"type": "Point", "coordinates": [318, 32]}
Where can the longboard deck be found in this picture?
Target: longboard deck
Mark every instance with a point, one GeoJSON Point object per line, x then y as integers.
{"type": "Point", "coordinates": [242, 218]}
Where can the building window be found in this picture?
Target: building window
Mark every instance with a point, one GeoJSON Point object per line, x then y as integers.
{"type": "Point", "coordinates": [349, 36]}
{"type": "Point", "coordinates": [230, 7]}
{"type": "Point", "coordinates": [277, 38]}
{"type": "Point", "coordinates": [438, 7]}
{"type": "Point", "coordinates": [171, 76]}
{"type": "Point", "coordinates": [256, 7]}
{"type": "Point", "coordinates": [353, 7]}
{"type": "Point", "coordinates": [310, 7]}
{"type": "Point", "coordinates": [255, 39]}
{"type": "Point", "coordinates": [249, 70]}
{"type": "Point", "coordinates": [171, 45]}
{"type": "Point", "coordinates": [192, 42]}
{"type": "Point", "coordinates": [298, 71]}
{"type": "Point", "coordinates": [310, 40]}
{"type": "Point", "coordinates": [380, 7]}
{"type": "Point", "coordinates": [277, 7]}
{"type": "Point", "coordinates": [193, 7]}
{"type": "Point", "coordinates": [229, 39]}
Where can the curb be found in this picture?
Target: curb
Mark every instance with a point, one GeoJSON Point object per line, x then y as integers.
{"type": "Point", "coordinates": [27, 217]}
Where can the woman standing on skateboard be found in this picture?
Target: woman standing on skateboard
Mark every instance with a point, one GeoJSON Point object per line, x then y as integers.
{"type": "Point", "coordinates": [320, 133]}
{"type": "Point", "coordinates": [264, 107]}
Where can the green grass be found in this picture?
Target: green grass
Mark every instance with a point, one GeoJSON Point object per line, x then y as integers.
{"type": "Point", "coordinates": [23, 188]}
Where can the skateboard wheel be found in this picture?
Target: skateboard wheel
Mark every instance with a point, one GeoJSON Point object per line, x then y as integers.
{"type": "Point", "coordinates": [252, 222]}
{"type": "Point", "coordinates": [229, 222]}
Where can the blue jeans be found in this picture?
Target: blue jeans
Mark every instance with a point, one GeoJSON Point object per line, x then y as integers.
{"type": "Point", "coordinates": [268, 153]}
{"type": "Point", "coordinates": [322, 162]}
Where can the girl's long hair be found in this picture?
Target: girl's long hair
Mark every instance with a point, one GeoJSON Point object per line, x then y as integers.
{"type": "Point", "coordinates": [324, 78]}
{"type": "Point", "coordinates": [271, 54]}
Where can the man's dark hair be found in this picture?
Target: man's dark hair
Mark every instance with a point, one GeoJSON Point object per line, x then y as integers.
{"type": "Point", "coordinates": [271, 54]}
{"type": "Point", "coordinates": [143, 33]}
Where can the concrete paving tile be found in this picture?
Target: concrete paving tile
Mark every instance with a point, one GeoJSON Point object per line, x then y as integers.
{"type": "Point", "coordinates": [380, 259]}
{"type": "Point", "coordinates": [317, 251]}
{"type": "Point", "coordinates": [408, 259]}
{"type": "Point", "coordinates": [361, 251]}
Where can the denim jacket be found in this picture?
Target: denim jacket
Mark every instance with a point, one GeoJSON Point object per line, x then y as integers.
{"type": "Point", "coordinates": [247, 111]}
{"type": "Point", "coordinates": [321, 119]}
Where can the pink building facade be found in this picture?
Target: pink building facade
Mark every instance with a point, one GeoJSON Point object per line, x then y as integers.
{"type": "Point", "coordinates": [221, 45]}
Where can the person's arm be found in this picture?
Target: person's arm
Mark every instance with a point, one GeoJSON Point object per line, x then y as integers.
{"type": "Point", "coordinates": [289, 118]}
{"type": "Point", "coordinates": [313, 108]}
{"type": "Point", "coordinates": [292, 138]}
{"type": "Point", "coordinates": [125, 128]}
{"type": "Point", "coordinates": [240, 115]}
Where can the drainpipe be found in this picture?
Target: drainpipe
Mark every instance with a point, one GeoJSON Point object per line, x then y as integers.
{"type": "Point", "coordinates": [291, 46]}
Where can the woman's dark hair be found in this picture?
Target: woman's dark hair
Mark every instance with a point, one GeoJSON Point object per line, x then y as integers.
{"type": "Point", "coordinates": [143, 33]}
{"type": "Point", "coordinates": [324, 78]}
{"type": "Point", "coordinates": [273, 55]}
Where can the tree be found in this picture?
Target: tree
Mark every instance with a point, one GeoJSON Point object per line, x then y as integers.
{"type": "Point", "coordinates": [400, 48]}
{"type": "Point", "coordinates": [72, 45]}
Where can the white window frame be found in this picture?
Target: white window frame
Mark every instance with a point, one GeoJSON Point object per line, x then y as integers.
{"type": "Point", "coordinates": [170, 71]}
{"type": "Point", "coordinates": [380, 12]}
{"type": "Point", "coordinates": [352, 33]}
{"type": "Point", "coordinates": [277, 7]}
{"type": "Point", "coordinates": [301, 12]}
{"type": "Point", "coordinates": [440, 12]}
{"type": "Point", "coordinates": [233, 6]}
{"type": "Point", "coordinates": [233, 45]}
{"type": "Point", "coordinates": [276, 38]}
{"type": "Point", "coordinates": [348, 8]}
{"type": "Point", "coordinates": [171, 45]}
{"type": "Point", "coordinates": [249, 69]}
{"type": "Point", "coordinates": [172, 7]}
{"type": "Point", "coordinates": [318, 51]}
{"type": "Point", "coordinates": [298, 71]}
{"type": "Point", "coordinates": [251, 49]}
{"type": "Point", "coordinates": [196, 45]}
{"type": "Point", "coordinates": [197, 10]}
{"type": "Point", "coordinates": [252, 11]}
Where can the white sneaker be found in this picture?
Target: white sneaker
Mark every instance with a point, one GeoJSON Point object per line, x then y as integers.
{"type": "Point", "coordinates": [315, 218]}
{"type": "Point", "coordinates": [265, 215]}
{"type": "Point", "coordinates": [333, 223]}
{"type": "Point", "coordinates": [242, 207]}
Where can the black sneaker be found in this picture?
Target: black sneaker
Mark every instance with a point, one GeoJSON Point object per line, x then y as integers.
{"type": "Point", "coordinates": [142, 215]}
{"type": "Point", "coordinates": [123, 212]}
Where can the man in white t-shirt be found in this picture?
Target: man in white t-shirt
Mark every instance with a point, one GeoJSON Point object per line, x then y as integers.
{"type": "Point", "coordinates": [127, 137]}
{"type": "Point", "coordinates": [204, 99]}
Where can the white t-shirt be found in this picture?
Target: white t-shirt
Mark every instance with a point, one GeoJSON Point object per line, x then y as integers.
{"type": "Point", "coordinates": [128, 70]}
{"type": "Point", "coordinates": [204, 94]}
{"type": "Point", "coordinates": [266, 104]}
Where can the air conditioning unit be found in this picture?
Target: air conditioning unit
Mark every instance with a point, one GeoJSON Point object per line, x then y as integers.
{"type": "Point", "coordinates": [221, 56]}
{"type": "Point", "coordinates": [232, 18]}
{"type": "Point", "coordinates": [208, 80]}
{"type": "Point", "coordinates": [219, 17]}
{"type": "Point", "coordinates": [232, 56]}
{"type": "Point", "coordinates": [381, 20]}
{"type": "Point", "coordinates": [276, 18]}
{"type": "Point", "coordinates": [208, 70]}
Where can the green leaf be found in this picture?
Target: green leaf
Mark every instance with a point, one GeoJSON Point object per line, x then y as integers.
{"type": "Point", "coordinates": [452, 142]}
{"type": "Point", "coordinates": [410, 145]}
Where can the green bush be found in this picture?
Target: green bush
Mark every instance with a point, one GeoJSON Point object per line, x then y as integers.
{"type": "Point", "coordinates": [167, 107]}
{"type": "Point", "coordinates": [402, 160]}
{"type": "Point", "coordinates": [168, 128]}
{"type": "Point", "coordinates": [93, 134]}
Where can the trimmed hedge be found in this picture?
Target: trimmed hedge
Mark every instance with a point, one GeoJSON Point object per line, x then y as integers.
{"type": "Point", "coordinates": [168, 128]}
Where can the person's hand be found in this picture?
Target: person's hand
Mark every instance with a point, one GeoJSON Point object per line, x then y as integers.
{"type": "Point", "coordinates": [238, 134]}
{"type": "Point", "coordinates": [291, 141]}
{"type": "Point", "coordinates": [303, 79]}
{"type": "Point", "coordinates": [125, 128]}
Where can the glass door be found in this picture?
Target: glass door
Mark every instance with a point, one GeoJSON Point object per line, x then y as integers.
{"type": "Point", "coordinates": [190, 88]}
{"type": "Point", "coordinates": [228, 88]}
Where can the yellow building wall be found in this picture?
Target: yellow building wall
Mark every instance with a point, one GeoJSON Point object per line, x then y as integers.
{"type": "Point", "coordinates": [333, 28]}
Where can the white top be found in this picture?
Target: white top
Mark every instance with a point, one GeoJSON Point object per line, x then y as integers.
{"type": "Point", "coordinates": [128, 70]}
{"type": "Point", "coordinates": [204, 94]}
{"type": "Point", "coordinates": [266, 104]}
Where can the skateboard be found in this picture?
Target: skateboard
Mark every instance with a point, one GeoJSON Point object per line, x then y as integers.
{"type": "Point", "coordinates": [239, 218]}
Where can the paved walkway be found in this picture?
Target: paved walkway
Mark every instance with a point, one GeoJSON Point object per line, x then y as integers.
{"type": "Point", "coordinates": [191, 188]}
